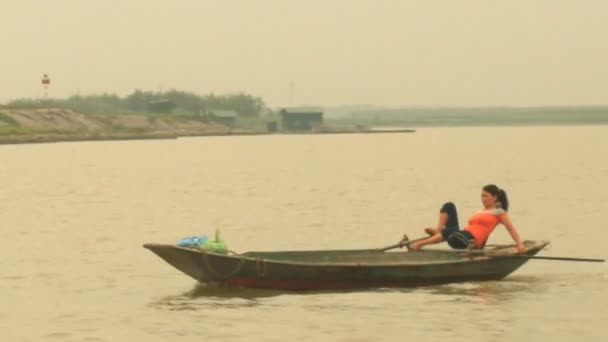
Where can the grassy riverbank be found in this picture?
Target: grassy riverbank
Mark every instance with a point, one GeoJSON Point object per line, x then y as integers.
{"type": "Point", "coordinates": [56, 124]}
{"type": "Point", "coordinates": [140, 115]}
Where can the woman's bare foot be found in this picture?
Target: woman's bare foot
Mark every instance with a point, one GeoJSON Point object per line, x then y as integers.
{"type": "Point", "coordinates": [414, 246]}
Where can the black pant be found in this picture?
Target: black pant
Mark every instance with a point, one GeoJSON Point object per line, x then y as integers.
{"type": "Point", "coordinates": [456, 238]}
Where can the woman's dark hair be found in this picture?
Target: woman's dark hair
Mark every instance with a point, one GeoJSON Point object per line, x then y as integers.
{"type": "Point", "coordinates": [501, 196]}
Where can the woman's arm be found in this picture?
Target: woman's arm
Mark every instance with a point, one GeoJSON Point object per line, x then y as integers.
{"type": "Point", "coordinates": [506, 220]}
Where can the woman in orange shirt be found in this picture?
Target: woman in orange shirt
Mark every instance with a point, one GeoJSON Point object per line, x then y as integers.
{"type": "Point", "coordinates": [481, 224]}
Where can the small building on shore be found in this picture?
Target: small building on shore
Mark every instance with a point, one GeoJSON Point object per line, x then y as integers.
{"type": "Point", "coordinates": [301, 119]}
{"type": "Point", "coordinates": [226, 117]}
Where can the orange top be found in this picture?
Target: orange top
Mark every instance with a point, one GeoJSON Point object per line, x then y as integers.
{"type": "Point", "coordinates": [482, 224]}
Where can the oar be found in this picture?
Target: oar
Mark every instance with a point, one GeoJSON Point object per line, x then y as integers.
{"type": "Point", "coordinates": [404, 243]}
{"type": "Point", "coordinates": [482, 253]}
{"type": "Point", "coordinates": [557, 258]}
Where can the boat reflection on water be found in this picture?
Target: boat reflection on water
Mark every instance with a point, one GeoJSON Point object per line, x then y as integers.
{"type": "Point", "coordinates": [492, 292]}
{"type": "Point", "coordinates": [214, 295]}
{"type": "Point", "coordinates": [219, 295]}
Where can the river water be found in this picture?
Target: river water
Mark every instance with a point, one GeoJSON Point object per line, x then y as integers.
{"type": "Point", "coordinates": [74, 217]}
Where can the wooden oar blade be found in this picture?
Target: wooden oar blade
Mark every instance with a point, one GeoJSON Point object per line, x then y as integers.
{"type": "Point", "coordinates": [559, 258]}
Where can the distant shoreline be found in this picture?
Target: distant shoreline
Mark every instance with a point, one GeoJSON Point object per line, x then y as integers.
{"type": "Point", "coordinates": [454, 117]}
{"type": "Point", "coordinates": [30, 126]}
{"type": "Point", "coordinates": [55, 138]}
{"type": "Point", "coordinates": [47, 125]}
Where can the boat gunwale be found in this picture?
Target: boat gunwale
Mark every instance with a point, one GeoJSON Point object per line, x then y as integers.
{"type": "Point", "coordinates": [466, 257]}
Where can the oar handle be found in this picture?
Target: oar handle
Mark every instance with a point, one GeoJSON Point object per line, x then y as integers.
{"type": "Point", "coordinates": [401, 244]}
{"type": "Point", "coordinates": [397, 245]}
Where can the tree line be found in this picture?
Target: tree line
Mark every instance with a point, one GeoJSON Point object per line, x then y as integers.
{"type": "Point", "coordinates": [172, 101]}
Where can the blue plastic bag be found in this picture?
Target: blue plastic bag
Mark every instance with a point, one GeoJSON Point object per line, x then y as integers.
{"type": "Point", "coordinates": [192, 241]}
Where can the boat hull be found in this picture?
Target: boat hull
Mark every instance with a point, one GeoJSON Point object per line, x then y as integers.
{"type": "Point", "coordinates": [348, 269]}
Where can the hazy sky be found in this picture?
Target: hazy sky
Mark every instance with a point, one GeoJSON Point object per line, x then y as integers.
{"type": "Point", "coordinates": [382, 52]}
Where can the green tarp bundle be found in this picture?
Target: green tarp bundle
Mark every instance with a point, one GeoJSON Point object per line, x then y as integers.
{"type": "Point", "coordinates": [216, 245]}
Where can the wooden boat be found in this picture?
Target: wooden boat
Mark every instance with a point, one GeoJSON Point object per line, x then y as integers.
{"type": "Point", "coordinates": [343, 269]}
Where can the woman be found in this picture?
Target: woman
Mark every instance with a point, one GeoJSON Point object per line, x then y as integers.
{"type": "Point", "coordinates": [481, 224]}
